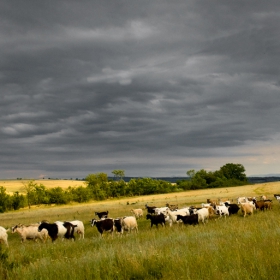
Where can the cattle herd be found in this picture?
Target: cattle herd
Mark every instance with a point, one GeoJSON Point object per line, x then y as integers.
{"type": "Point", "coordinates": [170, 214]}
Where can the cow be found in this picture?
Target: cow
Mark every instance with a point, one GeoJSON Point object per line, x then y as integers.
{"type": "Point", "coordinates": [247, 208]}
{"type": "Point", "coordinates": [156, 219]}
{"type": "Point", "coordinates": [30, 232]}
{"type": "Point", "coordinates": [102, 214]}
{"type": "Point", "coordinates": [4, 236]}
{"type": "Point", "coordinates": [138, 213]}
{"type": "Point", "coordinates": [232, 208]}
{"type": "Point", "coordinates": [222, 210]}
{"type": "Point", "coordinates": [104, 225]}
{"type": "Point", "coordinates": [150, 209]}
{"type": "Point", "coordinates": [58, 229]}
{"type": "Point", "coordinates": [189, 220]}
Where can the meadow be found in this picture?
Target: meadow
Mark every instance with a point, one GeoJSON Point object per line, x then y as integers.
{"type": "Point", "coordinates": [232, 248]}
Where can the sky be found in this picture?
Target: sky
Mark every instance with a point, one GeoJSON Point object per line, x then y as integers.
{"type": "Point", "coordinates": [154, 88]}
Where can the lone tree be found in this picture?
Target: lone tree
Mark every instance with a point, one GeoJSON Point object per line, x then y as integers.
{"type": "Point", "coordinates": [118, 173]}
{"type": "Point", "coordinates": [28, 188]}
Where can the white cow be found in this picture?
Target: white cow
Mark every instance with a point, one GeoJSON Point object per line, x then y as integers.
{"type": "Point", "coordinates": [4, 235]}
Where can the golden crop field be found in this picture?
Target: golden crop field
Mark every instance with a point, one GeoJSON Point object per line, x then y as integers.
{"type": "Point", "coordinates": [12, 186]}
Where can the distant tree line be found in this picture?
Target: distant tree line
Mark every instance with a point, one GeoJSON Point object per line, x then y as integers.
{"type": "Point", "coordinates": [98, 187]}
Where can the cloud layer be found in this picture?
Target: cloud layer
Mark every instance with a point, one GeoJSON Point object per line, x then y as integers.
{"type": "Point", "coordinates": [152, 87]}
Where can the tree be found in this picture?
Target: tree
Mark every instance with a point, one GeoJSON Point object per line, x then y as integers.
{"type": "Point", "coordinates": [234, 171]}
{"type": "Point", "coordinates": [28, 188]}
{"type": "Point", "coordinates": [118, 173]}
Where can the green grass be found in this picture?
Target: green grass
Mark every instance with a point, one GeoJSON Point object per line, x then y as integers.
{"type": "Point", "coordinates": [231, 248]}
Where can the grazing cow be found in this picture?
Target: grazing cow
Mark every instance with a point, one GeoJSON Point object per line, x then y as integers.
{"type": "Point", "coordinates": [150, 209]}
{"type": "Point", "coordinates": [247, 208]}
{"type": "Point", "coordinates": [102, 214]}
{"type": "Point", "coordinates": [105, 225]}
{"type": "Point", "coordinates": [259, 204]}
{"type": "Point", "coordinates": [189, 220]}
{"type": "Point", "coordinates": [79, 229]}
{"type": "Point", "coordinates": [138, 213]}
{"type": "Point", "coordinates": [30, 232]}
{"type": "Point", "coordinates": [58, 229]}
{"type": "Point", "coordinates": [232, 208]}
{"type": "Point", "coordinates": [222, 211]}
{"type": "Point", "coordinates": [4, 236]}
{"type": "Point", "coordinates": [156, 219]}
{"type": "Point", "coordinates": [172, 207]}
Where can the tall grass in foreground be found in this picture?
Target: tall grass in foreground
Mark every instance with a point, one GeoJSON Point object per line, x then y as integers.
{"type": "Point", "coordinates": [231, 248]}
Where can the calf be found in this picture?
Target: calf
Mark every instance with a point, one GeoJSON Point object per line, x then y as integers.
{"type": "Point", "coordinates": [103, 225]}
{"type": "Point", "coordinates": [189, 220]}
{"type": "Point", "coordinates": [102, 214]}
{"type": "Point", "coordinates": [156, 219]}
{"type": "Point", "coordinates": [4, 236]}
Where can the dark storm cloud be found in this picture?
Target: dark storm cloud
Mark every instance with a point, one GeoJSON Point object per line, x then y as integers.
{"type": "Point", "coordinates": [151, 87]}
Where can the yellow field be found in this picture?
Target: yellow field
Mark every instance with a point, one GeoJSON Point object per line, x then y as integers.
{"type": "Point", "coordinates": [181, 198]}
{"type": "Point", "coordinates": [12, 186]}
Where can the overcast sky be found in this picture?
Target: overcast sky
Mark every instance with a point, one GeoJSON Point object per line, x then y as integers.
{"type": "Point", "coordinates": [155, 88]}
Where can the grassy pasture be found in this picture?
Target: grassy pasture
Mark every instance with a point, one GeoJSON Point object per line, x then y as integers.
{"type": "Point", "coordinates": [231, 248]}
